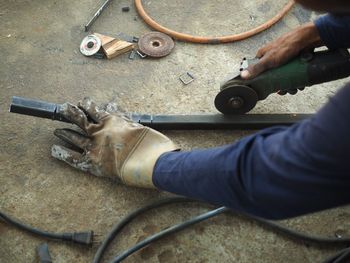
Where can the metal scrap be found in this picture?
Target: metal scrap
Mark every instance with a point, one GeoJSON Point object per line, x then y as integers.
{"type": "Point", "coordinates": [96, 15]}
{"type": "Point", "coordinates": [186, 78]}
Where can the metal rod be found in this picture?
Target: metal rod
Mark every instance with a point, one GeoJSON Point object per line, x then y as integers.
{"type": "Point", "coordinates": [51, 111]}
{"type": "Point", "coordinates": [96, 15]}
{"type": "Point", "coordinates": [36, 108]}
{"type": "Point", "coordinates": [216, 121]}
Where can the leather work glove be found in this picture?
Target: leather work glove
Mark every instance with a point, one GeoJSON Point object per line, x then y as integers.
{"type": "Point", "coordinates": [112, 145]}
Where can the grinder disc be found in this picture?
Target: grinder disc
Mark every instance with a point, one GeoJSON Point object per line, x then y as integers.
{"type": "Point", "coordinates": [236, 99]}
{"type": "Point", "coordinates": [90, 45]}
{"type": "Point", "coordinates": [156, 44]}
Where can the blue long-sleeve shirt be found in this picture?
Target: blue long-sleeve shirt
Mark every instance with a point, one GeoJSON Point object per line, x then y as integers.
{"type": "Point", "coordinates": [334, 30]}
{"type": "Point", "coordinates": [278, 172]}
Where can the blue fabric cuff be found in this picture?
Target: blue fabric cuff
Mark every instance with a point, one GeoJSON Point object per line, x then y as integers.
{"type": "Point", "coordinates": [334, 30]}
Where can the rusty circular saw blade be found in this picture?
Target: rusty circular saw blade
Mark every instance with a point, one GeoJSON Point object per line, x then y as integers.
{"type": "Point", "coordinates": [90, 45]}
{"type": "Point", "coordinates": [156, 44]}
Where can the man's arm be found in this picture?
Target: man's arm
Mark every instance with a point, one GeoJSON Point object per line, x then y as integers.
{"type": "Point", "coordinates": [276, 173]}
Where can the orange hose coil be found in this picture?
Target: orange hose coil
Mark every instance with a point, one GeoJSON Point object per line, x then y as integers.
{"type": "Point", "coordinates": [212, 40]}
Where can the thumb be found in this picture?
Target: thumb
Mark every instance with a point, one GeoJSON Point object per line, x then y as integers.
{"type": "Point", "coordinates": [254, 70]}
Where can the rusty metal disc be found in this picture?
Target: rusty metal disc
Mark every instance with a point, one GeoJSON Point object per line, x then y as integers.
{"type": "Point", "coordinates": [156, 44]}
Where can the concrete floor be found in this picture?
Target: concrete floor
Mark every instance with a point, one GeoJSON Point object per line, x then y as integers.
{"type": "Point", "coordinates": [40, 59]}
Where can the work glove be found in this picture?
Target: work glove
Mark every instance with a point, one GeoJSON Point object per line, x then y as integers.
{"type": "Point", "coordinates": [111, 145]}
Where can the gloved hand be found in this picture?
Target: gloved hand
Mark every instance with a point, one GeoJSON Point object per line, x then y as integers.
{"type": "Point", "coordinates": [112, 145]}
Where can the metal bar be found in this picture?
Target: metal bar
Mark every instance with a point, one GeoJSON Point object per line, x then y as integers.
{"type": "Point", "coordinates": [36, 108]}
{"type": "Point", "coordinates": [96, 15]}
{"type": "Point", "coordinates": [51, 111]}
{"type": "Point", "coordinates": [217, 121]}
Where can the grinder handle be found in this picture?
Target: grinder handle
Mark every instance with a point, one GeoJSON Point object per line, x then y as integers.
{"type": "Point", "coordinates": [328, 65]}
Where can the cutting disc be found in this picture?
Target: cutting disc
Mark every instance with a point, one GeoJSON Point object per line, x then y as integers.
{"type": "Point", "coordinates": [156, 44]}
{"type": "Point", "coordinates": [236, 99]}
{"type": "Point", "coordinates": [90, 45]}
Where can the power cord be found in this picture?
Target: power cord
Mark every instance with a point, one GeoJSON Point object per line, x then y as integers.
{"type": "Point", "coordinates": [83, 238]}
{"type": "Point", "coordinates": [87, 237]}
{"type": "Point", "coordinates": [168, 231]}
{"type": "Point", "coordinates": [173, 229]}
{"type": "Point", "coordinates": [340, 257]}
{"type": "Point", "coordinates": [127, 219]}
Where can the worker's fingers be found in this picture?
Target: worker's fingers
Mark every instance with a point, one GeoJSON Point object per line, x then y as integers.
{"type": "Point", "coordinates": [93, 111]}
{"type": "Point", "coordinates": [254, 70]}
{"type": "Point", "coordinates": [111, 107]}
{"type": "Point", "coordinates": [71, 157]}
{"type": "Point", "coordinates": [262, 51]}
{"type": "Point", "coordinates": [79, 161]}
{"type": "Point", "coordinates": [73, 137]}
{"type": "Point", "coordinates": [75, 115]}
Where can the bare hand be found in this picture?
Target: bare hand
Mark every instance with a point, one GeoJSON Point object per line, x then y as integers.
{"type": "Point", "coordinates": [283, 49]}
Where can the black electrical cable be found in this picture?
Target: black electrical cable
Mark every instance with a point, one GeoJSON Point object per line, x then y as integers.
{"type": "Point", "coordinates": [119, 226]}
{"type": "Point", "coordinates": [85, 238]}
{"type": "Point", "coordinates": [275, 226]}
{"type": "Point", "coordinates": [298, 235]}
{"type": "Point", "coordinates": [339, 257]}
{"type": "Point", "coordinates": [344, 257]}
{"type": "Point", "coordinates": [168, 231]}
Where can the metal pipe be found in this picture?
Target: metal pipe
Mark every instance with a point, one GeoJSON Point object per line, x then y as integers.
{"type": "Point", "coordinates": [96, 15]}
{"type": "Point", "coordinates": [51, 111]}
{"type": "Point", "coordinates": [216, 121]}
{"type": "Point", "coordinates": [36, 108]}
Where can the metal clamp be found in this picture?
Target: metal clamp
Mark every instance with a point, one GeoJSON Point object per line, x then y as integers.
{"type": "Point", "coordinates": [141, 54]}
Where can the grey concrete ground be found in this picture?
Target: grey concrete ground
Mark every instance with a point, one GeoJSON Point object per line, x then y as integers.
{"type": "Point", "coordinates": [40, 59]}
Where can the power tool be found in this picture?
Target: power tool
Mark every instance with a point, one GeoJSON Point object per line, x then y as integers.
{"type": "Point", "coordinates": [239, 96]}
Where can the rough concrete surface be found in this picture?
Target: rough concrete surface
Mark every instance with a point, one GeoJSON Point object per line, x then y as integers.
{"type": "Point", "coordinates": [40, 59]}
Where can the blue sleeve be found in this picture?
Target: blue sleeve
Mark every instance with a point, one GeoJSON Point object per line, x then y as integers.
{"type": "Point", "coordinates": [334, 30]}
{"type": "Point", "coordinates": [277, 173]}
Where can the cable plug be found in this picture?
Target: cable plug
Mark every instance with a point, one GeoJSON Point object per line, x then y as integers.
{"type": "Point", "coordinates": [83, 238]}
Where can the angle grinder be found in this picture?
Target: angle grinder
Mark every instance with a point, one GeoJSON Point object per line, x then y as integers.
{"type": "Point", "coordinates": [238, 96]}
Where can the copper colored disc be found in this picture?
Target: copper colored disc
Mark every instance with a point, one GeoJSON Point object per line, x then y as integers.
{"type": "Point", "coordinates": [156, 44]}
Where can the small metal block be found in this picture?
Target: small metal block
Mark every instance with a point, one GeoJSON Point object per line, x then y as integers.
{"type": "Point", "coordinates": [99, 55]}
{"type": "Point", "coordinates": [132, 54]}
{"type": "Point", "coordinates": [186, 78]}
{"type": "Point", "coordinates": [125, 9]}
{"type": "Point", "coordinates": [135, 39]}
